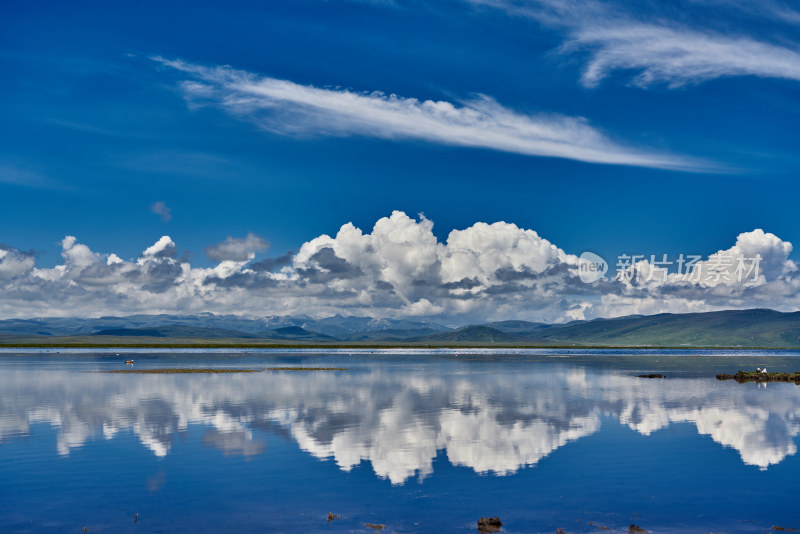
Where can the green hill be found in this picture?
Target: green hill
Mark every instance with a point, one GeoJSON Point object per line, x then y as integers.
{"type": "Point", "coordinates": [472, 334]}
{"type": "Point", "coordinates": [295, 333]}
{"type": "Point", "coordinates": [746, 328]}
{"type": "Point", "coordinates": [173, 331]}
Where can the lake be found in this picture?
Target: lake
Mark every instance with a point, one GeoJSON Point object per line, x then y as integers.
{"type": "Point", "coordinates": [416, 441]}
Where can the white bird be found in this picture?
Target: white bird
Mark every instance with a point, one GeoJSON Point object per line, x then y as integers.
{"type": "Point", "coordinates": [764, 370]}
{"type": "Point", "coordinates": [758, 369]}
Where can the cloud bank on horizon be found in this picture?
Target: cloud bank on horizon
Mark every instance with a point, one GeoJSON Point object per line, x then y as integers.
{"type": "Point", "coordinates": [399, 269]}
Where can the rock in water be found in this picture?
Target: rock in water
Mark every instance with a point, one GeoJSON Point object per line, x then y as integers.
{"type": "Point", "coordinates": [489, 524]}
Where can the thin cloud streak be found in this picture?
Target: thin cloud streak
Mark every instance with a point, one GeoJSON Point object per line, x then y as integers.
{"type": "Point", "coordinates": [287, 108]}
{"type": "Point", "coordinates": [662, 50]}
{"type": "Point", "coordinates": [16, 174]}
{"type": "Point", "coordinates": [680, 57]}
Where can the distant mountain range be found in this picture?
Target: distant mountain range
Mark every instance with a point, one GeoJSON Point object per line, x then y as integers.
{"type": "Point", "coordinates": [208, 326]}
{"type": "Point", "coordinates": [734, 328]}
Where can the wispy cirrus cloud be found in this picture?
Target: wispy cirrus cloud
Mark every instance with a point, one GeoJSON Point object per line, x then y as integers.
{"type": "Point", "coordinates": [775, 10]}
{"type": "Point", "coordinates": [288, 108]}
{"type": "Point", "coordinates": [680, 56]}
{"type": "Point", "coordinates": [19, 173]}
{"type": "Point", "coordinates": [668, 45]}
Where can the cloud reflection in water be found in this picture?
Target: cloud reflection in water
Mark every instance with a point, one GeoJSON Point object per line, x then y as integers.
{"type": "Point", "coordinates": [492, 422]}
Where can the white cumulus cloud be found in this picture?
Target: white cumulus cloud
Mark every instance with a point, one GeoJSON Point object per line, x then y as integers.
{"type": "Point", "coordinates": [14, 263]}
{"type": "Point", "coordinates": [488, 271]}
{"type": "Point", "coordinates": [164, 247]}
{"type": "Point", "coordinates": [237, 249]}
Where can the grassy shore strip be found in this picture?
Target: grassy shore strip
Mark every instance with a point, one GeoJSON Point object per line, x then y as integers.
{"type": "Point", "coordinates": [306, 369]}
{"type": "Point", "coordinates": [178, 371]}
{"type": "Point", "coordinates": [757, 376]}
{"type": "Point", "coordinates": [373, 346]}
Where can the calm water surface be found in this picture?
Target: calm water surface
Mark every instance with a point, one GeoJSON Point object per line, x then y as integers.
{"type": "Point", "coordinates": [416, 441]}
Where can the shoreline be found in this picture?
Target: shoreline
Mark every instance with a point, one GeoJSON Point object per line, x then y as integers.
{"type": "Point", "coordinates": [373, 346]}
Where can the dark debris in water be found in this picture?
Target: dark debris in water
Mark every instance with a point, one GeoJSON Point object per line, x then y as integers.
{"type": "Point", "coordinates": [489, 524]}
{"type": "Point", "coordinates": [651, 375]}
{"type": "Point", "coordinates": [758, 376]}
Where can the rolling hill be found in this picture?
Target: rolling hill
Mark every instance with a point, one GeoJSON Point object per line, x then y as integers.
{"type": "Point", "coordinates": [731, 328]}
{"type": "Point", "coordinates": [472, 334]}
{"type": "Point", "coordinates": [747, 328]}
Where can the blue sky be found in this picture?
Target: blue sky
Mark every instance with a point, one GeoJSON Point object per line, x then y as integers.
{"type": "Point", "coordinates": [613, 127]}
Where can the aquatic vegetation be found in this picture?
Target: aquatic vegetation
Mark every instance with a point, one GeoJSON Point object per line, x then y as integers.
{"type": "Point", "coordinates": [306, 369]}
{"type": "Point", "coordinates": [179, 370]}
